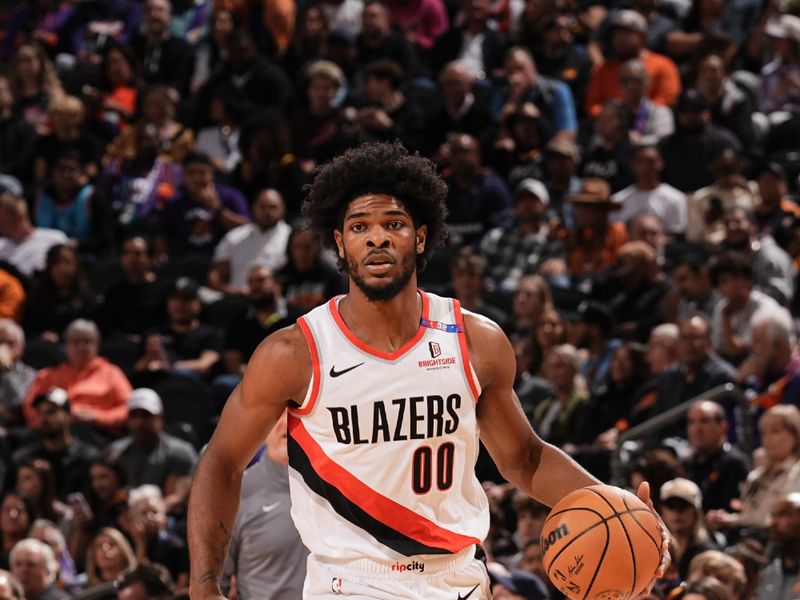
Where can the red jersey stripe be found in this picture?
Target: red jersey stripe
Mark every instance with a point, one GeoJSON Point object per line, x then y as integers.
{"type": "Point", "coordinates": [462, 344]}
{"type": "Point", "coordinates": [315, 373]}
{"type": "Point", "coordinates": [332, 305]}
{"type": "Point", "coordinates": [379, 507]}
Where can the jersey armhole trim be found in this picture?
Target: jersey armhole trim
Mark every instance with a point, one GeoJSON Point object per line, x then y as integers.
{"type": "Point", "coordinates": [313, 385]}
{"type": "Point", "coordinates": [469, 372]}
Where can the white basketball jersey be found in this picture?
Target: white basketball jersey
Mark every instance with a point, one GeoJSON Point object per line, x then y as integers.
{"type": "Point", "coordinates": [382, 451]}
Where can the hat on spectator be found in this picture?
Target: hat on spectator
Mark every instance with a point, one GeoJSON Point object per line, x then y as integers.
{"type": "Point", "coordinates": [771, 167]}
{"type": "Point", "coordinates": [684, 489]}
{"type": "Point", "coordinates": [563, 147]}
{"type": "Point", "coordinates": [691, 99]}
{"type": "Point", "coordinates": [56, 396]}
{"type": "Point", "coordinates": [186, 287]}
{"type": "Point", "coordinates": [147, 400]}
{"type": "Point", "coordinates": [326, 69]}
{"type": "Point", "coordinates": [791, 27]}
{"type": "Point", "coordinates": [774, 29]}
{"type": "Point", "coordinates": [630, 19]}
{"type": "Point", "coordinates": [11, 185]}
{"type": "Point", "coordinates": [534, 187]}
{"type": "Point", "coordinates": [524, 584]}
{"type": "Point", "coordinates": [596, 313]}
{"type": "Point", "coordinates": [595, 191]}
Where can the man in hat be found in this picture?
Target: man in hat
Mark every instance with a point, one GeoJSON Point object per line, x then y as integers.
{"type": "Point", "coordinates": [562, 157]}
{"type": "Point", "coordinates": [773, 204]}
{"type": "Point", "coordinates": [628, 37]}
{"type": "Point", "coordinates": [154, 457]}
{"type": "Point", "coordinates": [690, 151]}
{"type": "Point", "coordinates": [521, 249]}
{"type": "Point", "coordinates": [184, 345]}
{"type": "Point", "coordinates": [682, 505]}
{"type": "Point", "coordinates": [595, 242]}
{"type": "Point", "coordinates": [69, 456]}
{"type": "Point", "coordinates": [779, 91]}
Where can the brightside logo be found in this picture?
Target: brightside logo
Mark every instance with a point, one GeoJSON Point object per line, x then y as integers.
{"type": "Point", "coordinates": [412, 566]}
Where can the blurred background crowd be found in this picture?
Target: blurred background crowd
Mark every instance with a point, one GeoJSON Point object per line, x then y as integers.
{"type": "Point", "coordinates": [621, 178]}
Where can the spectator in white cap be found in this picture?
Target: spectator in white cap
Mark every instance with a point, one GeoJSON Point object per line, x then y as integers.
{"type": "Point", "coordinates": [527, 245]}
{"type": "Point", "coordinates": [681, 505]}
{"type": "Point", "coordinates": [155, 457]}
{"type": "Point", "coordinates": [780, 90]}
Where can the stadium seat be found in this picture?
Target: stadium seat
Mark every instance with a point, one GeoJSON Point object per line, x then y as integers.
{"type": "Point", "coordinates": [188, 401]}
{"type": "Point", "coordinates": [123, 353]}
{"type": "Point", "coordinates": [41, 354]}
{"type": "Point", "coordinates": [221, 312]}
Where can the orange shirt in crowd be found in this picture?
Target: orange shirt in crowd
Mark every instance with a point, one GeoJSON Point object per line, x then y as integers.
{"type": "Point", "coordinates": [12, 296]}
{"type": "Point", "coordinates": [665, 82]}
{"type": "Point", "coordinates": [100, 388]}
{"type": "Point", "coordinates": [588, 257]}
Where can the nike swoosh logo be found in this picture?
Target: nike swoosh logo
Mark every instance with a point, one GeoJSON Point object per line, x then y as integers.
{"type": "Point", "coordinates": [460, 597]}
{"type": "Point", "coordinates": [335, 373]}
{"type": "Point", "coordinates": [270, 507]}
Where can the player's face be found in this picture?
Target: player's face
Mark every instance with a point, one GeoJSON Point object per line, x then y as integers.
{"type": "Point", "coordinates": [379, 244]}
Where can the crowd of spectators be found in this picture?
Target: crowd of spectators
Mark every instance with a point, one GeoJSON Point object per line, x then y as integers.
{"type": "Point", "coordinates": [621, 177]}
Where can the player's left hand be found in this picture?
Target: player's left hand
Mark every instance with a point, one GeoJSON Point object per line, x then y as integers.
{"type": "Point", "coordinates": [643, 493]}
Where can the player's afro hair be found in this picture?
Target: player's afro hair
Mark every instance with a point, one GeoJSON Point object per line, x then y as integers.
{"type": "Point", "coordinates": [379, 168]}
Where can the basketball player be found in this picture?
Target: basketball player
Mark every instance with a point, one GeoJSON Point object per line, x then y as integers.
{"type": "Point", "coordinates": [388, 389]}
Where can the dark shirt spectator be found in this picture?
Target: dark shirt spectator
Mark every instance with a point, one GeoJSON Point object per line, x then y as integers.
{"type": "Point", "coordinates": [689, 152]}
{"type": "Point", "coordinates": [250, 79]}
{"type": "Point", "coordinates": [558, 57]}
{"type": "Point", "coordinates": [195, 220]}
{"type": "Point", "coordinates": [166, 59]}
{"type": "Point", "coordinates": [17, 137]}
{"type": "Point", "coordinates": [307, 280]}
{"type": "Point", "coordinates": [152, 456]}
{"type": "Point", "coordinates": [716, 466]}
{"type": "Point", "coordinates": [184, 344]}
{"type": "Point", "coordinates": [135, 304]}
{"type": "Point", "coordinates": [69, 456]}
{"type": "Point", "coordinates": [266, 311]}
{"type": "Point", "coordinates": [378, 40]}
{"type": "Point", "coordinates": [477, 199]}
{"type": "Point", "coordinates": [698, 370]}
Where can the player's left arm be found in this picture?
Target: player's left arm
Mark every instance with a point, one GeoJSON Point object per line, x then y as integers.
{"type": "Point", "coordinates": [539, 469]}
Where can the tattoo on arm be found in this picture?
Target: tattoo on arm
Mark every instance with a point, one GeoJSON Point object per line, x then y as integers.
{"type": "Point", "coordinates": [218, 557]}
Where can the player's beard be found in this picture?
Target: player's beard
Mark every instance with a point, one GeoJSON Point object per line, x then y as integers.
{"type": "Point", "coordinates": [388, 290]}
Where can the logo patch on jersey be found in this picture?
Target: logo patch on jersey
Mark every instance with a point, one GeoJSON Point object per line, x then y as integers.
{"type": "Point", "coordinates": [337, 585]}
{"type": "Point", "coordinates": [335, 373]}
{"type": "Point", "coordinates": [460, 597]}
{"type": "Point", "coordinates": [415, 565]}
{"type": "Point", "coordinates": [435, 349]}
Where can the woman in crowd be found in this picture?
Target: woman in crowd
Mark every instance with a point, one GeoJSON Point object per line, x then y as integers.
{"type": "Point", "coordinates": [106, 502]}
{"type": "Point", "coordinates": [780, 475]}
{"type": "Point", "coordinates": [549, 330]}
{"type": "Point", "coordinates": [59, 295]}
{"type": "Point", "coordinates": [114, 104]}
{"type": "Point", "coordinates": [36, 481]}
{"type": "Point", "coordinates": [531, 298]}
{"type": "Point", "coordinates": [211, 50]}
{"type": "Point", "coordinates": [308, 42]}
{"type": "Point", "coordinates": [16, 517]}
{"type": "Point", "coordinates": [34, 83]}
{"type": "Point", "coordinates": [109, 556]}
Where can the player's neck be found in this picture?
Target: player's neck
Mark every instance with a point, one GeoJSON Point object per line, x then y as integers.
{"type": "Point", "coordinates": [385, 325]}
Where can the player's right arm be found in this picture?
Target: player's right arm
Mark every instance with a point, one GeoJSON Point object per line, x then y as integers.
{"type": "Point", "coordinates": [278, 372]}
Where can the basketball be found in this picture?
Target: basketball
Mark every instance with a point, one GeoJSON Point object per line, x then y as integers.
{"type": "Point", "coordinates": [601, 543]}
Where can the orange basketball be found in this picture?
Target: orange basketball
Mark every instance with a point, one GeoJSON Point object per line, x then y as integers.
{"type": "Point", "coordinates": [601, 543]}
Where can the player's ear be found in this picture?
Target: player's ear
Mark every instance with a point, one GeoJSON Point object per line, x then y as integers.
{"type": "Point", "coordinates": [337, 236]}
{"type": "Point", "coordinates": [422, 235]}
